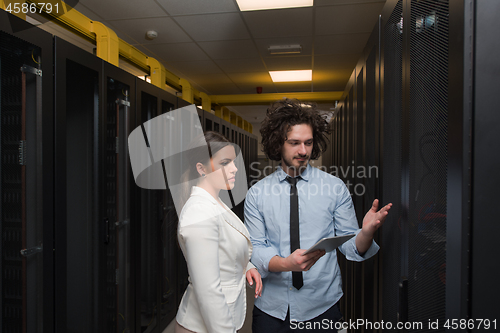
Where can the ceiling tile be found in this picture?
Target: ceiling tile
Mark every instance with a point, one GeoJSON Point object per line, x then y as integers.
{"type": "Point", "coordinates": [264, 43]}
{"type": "Point", "coordinates": [336, 62]}
{"type": "Point", "coordinates": [205, 78]}
{"type": "Point", "coordinates": [340, 44]}
{"type": "Point", "coordinates": [346, 18]}
{"type": "Point", "coordinates": [193, 68]}
{"type": "Point", "coordinates": [230, 49]}
{"type": "Point", "coordinates": [88, 12]}
{"type": "Point", "coordinates": [214, 26]}
{"type": "Point", "coordinates": [241, 65]}
{"type": "Point", "coordinates": [288, 63]}
{"type": "Point", "coordinates": [280, 22]}
{"type": "Point", "coordinates": [248, 82]}
{"type": "Point", "coordinates": [216, 84]}
{"type": "Point", "coordinates": [119, 9]}
{"type": "Point", "coordinates": [168, 31]}
{"type": "Point", "coordinates": [186, 7]}
{"type": "Point", "coordinates": [215, 88]}
{"type": "Point", "coordinates": [178, 52]}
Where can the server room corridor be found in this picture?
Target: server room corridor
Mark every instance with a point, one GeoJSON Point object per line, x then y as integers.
{"type": "Point", "coordinates": [100, 101]}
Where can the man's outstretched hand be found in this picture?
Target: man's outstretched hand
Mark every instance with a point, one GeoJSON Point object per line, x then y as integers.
{"type": "Point", "coordinates": [371, 222]}
{"type": "Point", "coordinates": [374, 219]}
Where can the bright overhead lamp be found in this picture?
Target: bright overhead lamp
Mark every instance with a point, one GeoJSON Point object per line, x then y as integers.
{"type": "Point", "coordinates": [246, 5]}
{"type": "Point", "coordinates": [291, 76]}
{"type": "Point", "coordinates": [285, 49]}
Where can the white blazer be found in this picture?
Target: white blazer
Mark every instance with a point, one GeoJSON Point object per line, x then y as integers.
{"type": "Point", "coordinates": [217, 248]}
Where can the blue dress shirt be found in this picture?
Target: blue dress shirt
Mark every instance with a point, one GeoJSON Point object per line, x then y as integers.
{"type": "Point", "coordinates": [325, 210]}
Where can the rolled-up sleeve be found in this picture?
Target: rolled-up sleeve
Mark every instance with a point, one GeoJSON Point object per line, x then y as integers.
{"type": "Point", "coordinates": [254, 221]}
{"type": "Point", "coordinates": [345, 221]}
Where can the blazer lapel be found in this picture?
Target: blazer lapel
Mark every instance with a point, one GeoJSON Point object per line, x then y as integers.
{"type": "Point", "coordinates": [235, 222]}
{"type": "Point", "coordinates": [227, 214]}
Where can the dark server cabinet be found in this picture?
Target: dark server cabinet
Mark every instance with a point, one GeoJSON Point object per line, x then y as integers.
{"type": "Point", "coordinates": [79, 225]}
{"type": "Point", "coordinates": [26, 191]}
{"type": "Point", "coordinates": [151, 215]}
{"type": "Point", "coordinates": [225, 128]}
{"type": "Point", "coordinates": [117, 210]}
{"type": "Point", "coordinates": [418, 108]}
{"type": "Point", "coordinates": [212, 122]}
{"type": "Point", "coordinates": [171, 290]}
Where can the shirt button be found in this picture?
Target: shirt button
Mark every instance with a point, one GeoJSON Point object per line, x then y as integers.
{"type": "Point", "coordinates": [290, 288]}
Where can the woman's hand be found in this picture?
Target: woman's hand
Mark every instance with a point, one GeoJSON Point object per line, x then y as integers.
{"type": "Point", "coordinates": [254, 275]}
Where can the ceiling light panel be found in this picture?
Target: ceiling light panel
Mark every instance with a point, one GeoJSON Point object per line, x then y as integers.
{"type": "Point", "coordinates": [291, 76]}
{"type": "Point", "coordinates": [247, 5]}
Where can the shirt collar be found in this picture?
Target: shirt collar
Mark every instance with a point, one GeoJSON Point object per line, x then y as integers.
{"type": "Point", "coordinates": [304, 175]}
{"type": "Point", "coordinates": [195, 190]}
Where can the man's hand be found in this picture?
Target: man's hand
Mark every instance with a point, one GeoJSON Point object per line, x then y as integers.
{"type": "Point", "coordinates": [374, 219]}
{"type": "Point", "coordinates": [371, 222]}
{"type": "Point", "coordinates": [295, 262]}
{"type": "Point", "coordinates": [254, 275]}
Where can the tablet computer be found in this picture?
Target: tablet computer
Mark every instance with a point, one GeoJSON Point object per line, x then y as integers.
{"type": "Point", "coordinates": [329, 244]}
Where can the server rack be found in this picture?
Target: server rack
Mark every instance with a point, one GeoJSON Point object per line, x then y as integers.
{"type": "Point", "coordinates": [212, 122]}
{"type": "Point", "coordinates": [149, 281]}
{"type": "Point", "coordinates": [119, 216]}
{"type": "Point", "coordinates": [411, 108]}
{"type": "Point", "coordinates": [26, 133]}
{"type": "Point", "coordinates": [111, 262]}
{"type": "Point", "coordinates": [225, 128]}
{"type": "Point", "coordinates": [78, 123]}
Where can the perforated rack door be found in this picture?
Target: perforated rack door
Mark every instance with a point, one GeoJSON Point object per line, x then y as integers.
{"type": "Point", "coordinates": [21, 185]}
{"type": "Point", "coordinates": [428, 117]}
{"type": "Point", "coordinates": [392, 161]}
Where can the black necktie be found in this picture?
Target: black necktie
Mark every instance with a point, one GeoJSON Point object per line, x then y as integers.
{"type": "Point", "coordinates": [294, 228]}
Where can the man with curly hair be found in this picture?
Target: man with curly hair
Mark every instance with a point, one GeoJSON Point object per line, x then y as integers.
{"type": "Point", "coordinates": [301, 292]}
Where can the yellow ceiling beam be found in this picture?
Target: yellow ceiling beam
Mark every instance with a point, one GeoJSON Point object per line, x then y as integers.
{"type": "Point", "coordinates": [156, 72]}
{"type": "Point", "coordinates": [206, 103]}
{"type": "Point", "coordinates": [106, 42]}
{"type": "Point", "coordinates": [247, 99]}
{"type": "Point", "coordinates": [187, 91]}
{"type": "Point", "coordinates": [232, 118]}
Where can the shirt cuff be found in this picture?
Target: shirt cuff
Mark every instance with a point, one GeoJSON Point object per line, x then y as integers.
{"type": "Point", "coordinates": [353, 253]}
{"type": "Point", "coordinates": [261, 258]}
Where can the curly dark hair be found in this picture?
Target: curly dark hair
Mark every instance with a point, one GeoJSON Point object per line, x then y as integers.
{"type": "Point", "coordinates": [280, 118]}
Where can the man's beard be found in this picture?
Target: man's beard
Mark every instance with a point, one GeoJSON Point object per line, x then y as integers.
{"type": "Point", "coordinates": [302, 164]}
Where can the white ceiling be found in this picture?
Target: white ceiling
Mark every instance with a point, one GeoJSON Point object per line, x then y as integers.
{"type": "Point", "coordinates": [221, 50]}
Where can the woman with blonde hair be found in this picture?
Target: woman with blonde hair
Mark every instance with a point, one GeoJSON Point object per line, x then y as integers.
{"type": "Point", "coordinates": [214, 241]}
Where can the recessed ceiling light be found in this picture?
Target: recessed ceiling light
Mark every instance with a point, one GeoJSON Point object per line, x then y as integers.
{"type": "Point", "coordinates": [285, 49]}
{"type": "Point", "coordinates": [291, 76]}
{"type": "Point", "coordinates": [275, 4]}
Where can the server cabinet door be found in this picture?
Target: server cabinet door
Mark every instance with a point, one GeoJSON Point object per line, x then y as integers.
{"type": "Point", "coordinates": [21, 185]}
{"type": "Point", "coordinates": [117, 193]}
{"type": "Point", "coordinates": [150, 220]}
{"type": "Point", "coordinates": [77, 196]}
{"type": "Point", "coordinates": [168, 230]}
